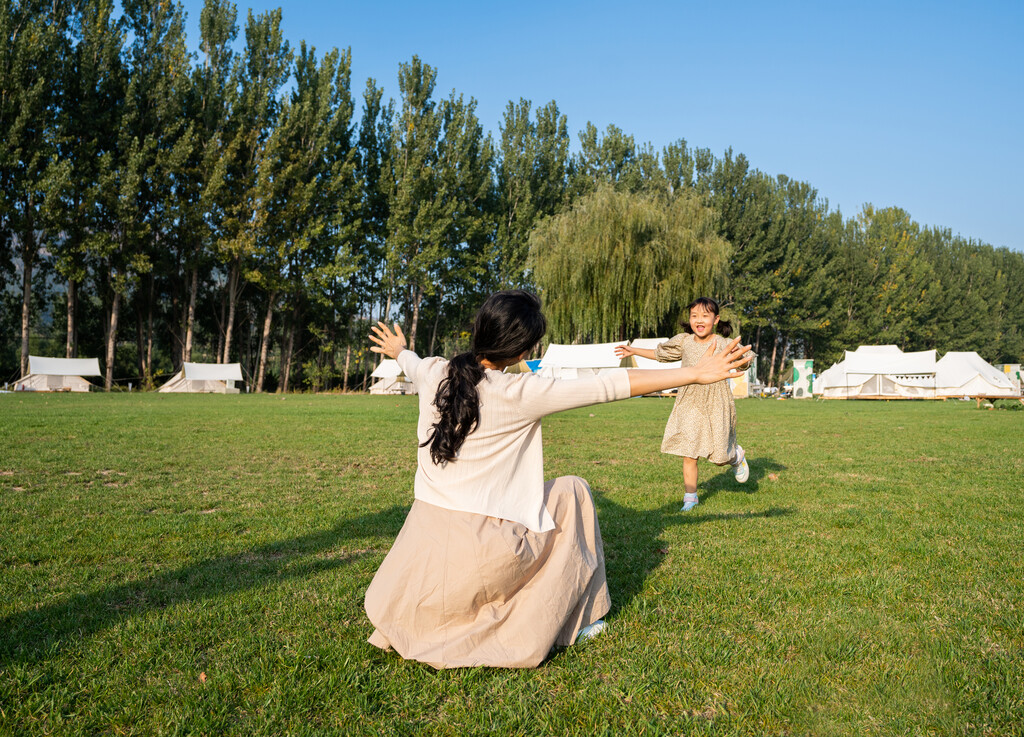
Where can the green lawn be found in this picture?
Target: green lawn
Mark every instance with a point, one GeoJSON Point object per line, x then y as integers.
{"type": "Point", "coordinates": [196, 564]}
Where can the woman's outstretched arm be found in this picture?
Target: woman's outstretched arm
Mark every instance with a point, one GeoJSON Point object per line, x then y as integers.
{"type": "Point", "coordinates": [392, 344]}
{"type": "Point", "coordinates": [389, 342]}
{"type": "Point", "coordinates": [711, 368]}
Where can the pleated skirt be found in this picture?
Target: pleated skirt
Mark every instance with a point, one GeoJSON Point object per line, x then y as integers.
{"type": "Point", "coordinates": [459, 589]}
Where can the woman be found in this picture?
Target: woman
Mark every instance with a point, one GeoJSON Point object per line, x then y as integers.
{"type": "Point", "coordinates": [493, 566]}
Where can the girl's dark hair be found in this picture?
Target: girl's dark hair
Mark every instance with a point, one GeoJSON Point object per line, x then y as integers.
{"type": "Point", "coordinates": [507, 325]}
{"type": "Point", "coordinates": [724, 327]}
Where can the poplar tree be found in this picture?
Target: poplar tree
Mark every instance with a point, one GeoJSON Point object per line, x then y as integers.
{"type": "Point", "coordinates": [530, 174]}
{"type": "Point", "coordinates": [92, 93]}
{"type": "Point", "coordinates": [264, 67]}
{"type": "Point", "coordinates": [678, 165]}
{"type": "Point", "coordinates": [139, 186]}
{"type": "Point", "coordinates": [308, 180]}
{"type": "Point", "coordinates": [203, 187]}
{"type": "Point", "coordinates": [369, 286]}
{"type": "Point", "coordinates": [803, 291]}
{"type": "Point", "coordinates": [1011, 336]}
{"type": "Point", "coordinates": [981, 280]}
{"type": "Point", "coordinates": [465, 192]}
{"type": "Point", "coordinates": [418, 216]}
{"type": "Point", "coordinates": [373, 164]}
{"type": "Point", "coordinates": [750, 209]}
{"type": "Point", "coordinates": [610, 158]}
{"type": "Point", "coordinates": [32, 177]}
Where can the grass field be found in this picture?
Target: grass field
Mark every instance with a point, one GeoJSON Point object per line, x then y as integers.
{"type": "Point", "coordinates": [196, 565]}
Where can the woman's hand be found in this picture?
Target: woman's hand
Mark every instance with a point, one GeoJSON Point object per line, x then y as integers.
{"type": "Point", "coordinates": [726, 365]}
{"type": "Point", "coordinates": [389, 342]}
{"type": "Point", "coordinates": [621, 351]}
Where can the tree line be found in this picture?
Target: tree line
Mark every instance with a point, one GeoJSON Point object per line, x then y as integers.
{"type": "Point", "coordinates": [241, 204]}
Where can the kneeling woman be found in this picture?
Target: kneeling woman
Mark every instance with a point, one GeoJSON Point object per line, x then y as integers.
{"type": "Point", "coordinates": [493, 566]}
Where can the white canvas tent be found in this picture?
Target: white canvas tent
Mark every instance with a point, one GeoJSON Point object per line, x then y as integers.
{"type": "Point", "coordinates": [58, 374]}
{"type": "Point", "coordinates": [391, 380]}
{"type": "Point", "coordinates": [966, 374]}
{"type": "Point", "coordinates": [205, 378]}
{"type": "Point", "coordinates": [879, 372]}
{"type": "Point", "coordinates": [578, 361]}
{"type": "Point", "coordinates": [649, 363]}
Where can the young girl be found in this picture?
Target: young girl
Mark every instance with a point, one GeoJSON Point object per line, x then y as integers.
{"type": "Point", "coordinates": [703, 420]}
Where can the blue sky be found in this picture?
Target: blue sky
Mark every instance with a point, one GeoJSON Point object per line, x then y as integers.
{"type": "Point", "coordinates": [914, 104]}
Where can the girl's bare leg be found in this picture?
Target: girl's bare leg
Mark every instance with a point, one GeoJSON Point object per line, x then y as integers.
{"type": "Point", "coordinates": [690, 483]}
{"type": "Point", "coordinates": [690, 475]}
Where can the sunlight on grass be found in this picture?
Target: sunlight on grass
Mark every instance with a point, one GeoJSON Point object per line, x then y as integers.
{"type": "Point", "coordinates": [192, 563]}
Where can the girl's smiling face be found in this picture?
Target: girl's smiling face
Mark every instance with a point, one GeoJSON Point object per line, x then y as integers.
{"type": "Point", "coordinates": [702, 322]}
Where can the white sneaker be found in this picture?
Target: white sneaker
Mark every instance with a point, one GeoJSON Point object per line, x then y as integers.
{"type": "Point", "coordinates": [742, 469]}
{"type": "Point", "coordinates": [591, 631]}
{"type": "Point", "coordinates": [689, 502]}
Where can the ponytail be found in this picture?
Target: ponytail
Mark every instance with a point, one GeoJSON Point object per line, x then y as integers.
{"type": "Point", "coordinates": [458, 407]}
{"type": "Point", "coordinates": [508, 325]}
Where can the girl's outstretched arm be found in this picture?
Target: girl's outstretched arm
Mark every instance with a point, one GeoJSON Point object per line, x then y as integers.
{"type": "Point", "coordinates": [711, 368]}
{"type": "Point", "coordinates": [628, 350]}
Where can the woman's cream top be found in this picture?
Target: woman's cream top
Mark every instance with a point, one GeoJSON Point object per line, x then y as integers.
{"type": "Point", "coordinates": [499, 471]}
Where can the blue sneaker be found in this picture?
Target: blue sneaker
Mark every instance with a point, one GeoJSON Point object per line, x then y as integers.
{"type": "Point", "coordinates": [689, 502]}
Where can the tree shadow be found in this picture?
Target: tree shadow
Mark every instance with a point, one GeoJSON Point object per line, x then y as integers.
{"type": "Point", "coordinates": [633, 545]}
{"type": "Point", "coordinates": [35, 633]}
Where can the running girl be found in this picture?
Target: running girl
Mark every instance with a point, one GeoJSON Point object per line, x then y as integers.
{"type": "Point", "coordinates": [703, 420]}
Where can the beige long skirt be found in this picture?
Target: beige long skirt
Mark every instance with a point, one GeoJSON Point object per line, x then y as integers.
{"type": "Point", "coordinates": [460, 589]}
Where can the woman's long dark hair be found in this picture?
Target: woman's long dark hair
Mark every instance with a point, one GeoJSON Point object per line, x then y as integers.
{"type": "Point", "coordinates": [507, 325]}
{"type": "Point", "coordinates": [724, 327]}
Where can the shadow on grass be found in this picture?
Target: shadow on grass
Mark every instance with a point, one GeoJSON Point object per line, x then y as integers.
{"type": "Point", "coordinates": [759, 469]}
{"type": "Point", "coordinates": [633, 545]}
{"type": "Point", "coordinates": [37, 633]}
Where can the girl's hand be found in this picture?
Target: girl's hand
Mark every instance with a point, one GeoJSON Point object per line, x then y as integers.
{"type": "Point", "coordinates": [726, 365]}
{"type": "Point", "coordinates": [621, 351]}
{"type": "Point", "coordinates": [389, 343]}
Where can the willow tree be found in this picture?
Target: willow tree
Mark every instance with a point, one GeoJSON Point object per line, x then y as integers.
{"type": "Point", "coordinates": [620, 264]}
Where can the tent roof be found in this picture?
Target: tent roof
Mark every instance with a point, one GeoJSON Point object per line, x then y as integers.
{"type": "Point", "coordinates": [832, 376]}
{"type": "Point", "coordinates": [64, 366]}
{"type": "Point", "coordinates": [878, 350]}
{"type": "Point", "coordinates": [647, 342]}
{"type": "Point", "coordinates": [956, 368]}
{"type": "Point", "coordinates": [592, 355]}
{"type": "Point", "coordinates": [213, 371]}
{"type": "Point", "coordinates": [388, 369]}
{"type": "Point", "coordinates": [888, 359]}
{"type": "Point", "coordinates": [650, 363]}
